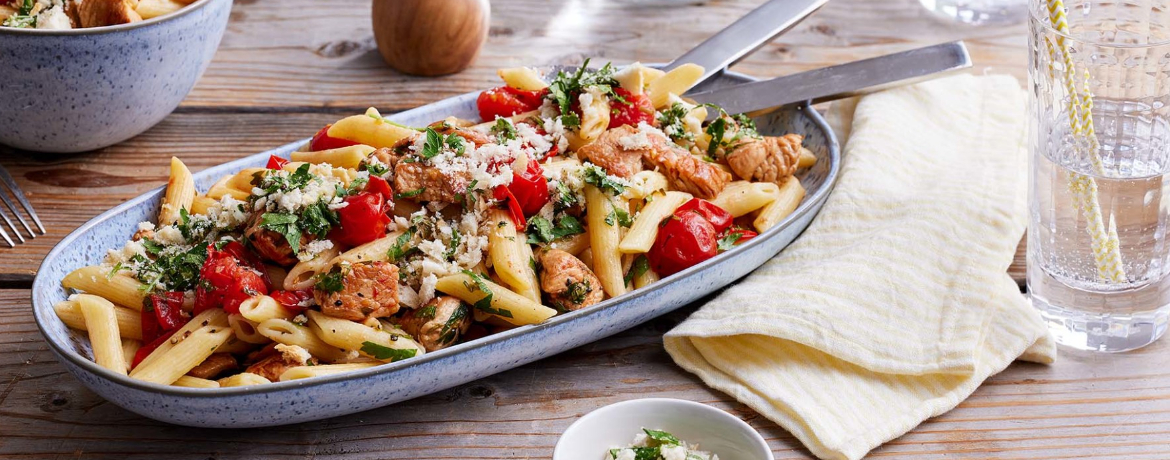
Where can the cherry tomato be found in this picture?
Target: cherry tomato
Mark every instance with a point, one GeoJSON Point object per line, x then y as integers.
{"type": "Point", "coordinates": [530, 188]}
{"type": "Point", "coordinates": [149, 347]}
{"type": "Point", "coordinates": [275, 162]}
{"type": "Point", "coordinates": [684, 239]}
{"type": "Point", "coordinates": [294, 301]}
{"type": "Point", "coordinates": [719, 218]}
{"type": "Point", "coordinates": [322, 141]}
{"type": "Point", "coordinates": [503, 194]}
{"type": "Point", "coordinates": [162, 313]}
{"type": "Point", "coordinates": [505, 101]}
{"type": "Point", "coordinates": [380, 186]}
{"type": "Point", "coordinates": [228, 278]}
{"type": "Point", "coordinates": [363, 219]}
{"type": "Point", "coordinates": [637, 109]}
{"type": "Point", "coordinates": [743, 235]}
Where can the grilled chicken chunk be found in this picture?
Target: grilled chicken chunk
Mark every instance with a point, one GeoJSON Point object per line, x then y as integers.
{"type": "Point", "coordinates": [271, 246]}
{"type": "Point", "coordinates": [689, 174]}
{"type": "Point", "coordinates": [570, 285]}
{"type": "Point", "coordinates": [439, 323]}
{"type": "Point", "coordinates": [620, 150]}
{"type": "Point", "coordinates": [97, 13]}
{"type": "Point", "coordinates": [285, 358]}
{"type": "Point", "coordinates": [214, 365]}
{"type": "Point", "coordinates": [767, 159]}
{"type": "Point", "coordinates": [368, 290]}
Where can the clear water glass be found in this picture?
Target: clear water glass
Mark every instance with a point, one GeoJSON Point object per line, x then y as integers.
{"type": "Point", "coordinates": [1099, 193]}
{"type": "Point", "coordinates": [980, 12]}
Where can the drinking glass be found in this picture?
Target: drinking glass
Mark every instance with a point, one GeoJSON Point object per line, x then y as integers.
{"type": "Point", "coordinates": [980, 12]}
{"type": "Point", "coordinates": [1099, 190]}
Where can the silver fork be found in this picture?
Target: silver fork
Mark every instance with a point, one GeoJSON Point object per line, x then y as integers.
{"type": "Point", "coordinates": [8, 183]}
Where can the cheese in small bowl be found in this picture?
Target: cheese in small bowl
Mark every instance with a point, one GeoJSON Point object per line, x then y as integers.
{"type": "Point", "coordinates": [658, 445]}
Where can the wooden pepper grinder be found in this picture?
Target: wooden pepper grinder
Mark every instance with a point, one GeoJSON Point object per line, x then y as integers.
{"type": "Point", "coordinates": [430, 37]}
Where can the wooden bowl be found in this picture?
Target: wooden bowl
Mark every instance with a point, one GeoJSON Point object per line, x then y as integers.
{"type": "Point", "coordinates": [430, 37]}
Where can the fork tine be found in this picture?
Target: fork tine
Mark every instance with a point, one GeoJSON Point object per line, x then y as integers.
{"type": "Point", "coordinates": [11, 207]}
{"type": "Point", "coordinates": [7, 179]}
{"type": "Point", "coordinates": [4, 234]}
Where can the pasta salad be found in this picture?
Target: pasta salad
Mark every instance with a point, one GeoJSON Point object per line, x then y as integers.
{"type": "Point", "coordinates": [379, 242]}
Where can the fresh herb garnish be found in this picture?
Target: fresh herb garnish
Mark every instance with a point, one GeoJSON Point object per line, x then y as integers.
{"type": "Point", "coordinates": [453, 245]}
{"type": "Point", "coordinates": [435, 142]}
{"type": "Point", "coordinates": [640, 267]}
{"type": "Point", "coordinates": [376, 168]}
{"type": "Point", "coordinates": [565, 196]}
{"type": "Point", "coordinates": [384, 352]}
{"type": "Point", "coordinates": [729, 241]}
{"type": "Point", "coordinates": [332, 281]}
{"type": "Point", "coordinates": [504, 130]}
{"type": "Point", "coordinates": [576, 291]}
{"type": "Point", "coordinates": [595, 176]}
{"type": "Point", "coordinates": [175, 271]}
{"type": "Point", "coordinates": [662, 437]}
{"type": "Point", "coordinates": [619, 217]}
{"type": "Point", "coordinates": [410, 194]}
{"type": "Point", "coordinates": [566, 88]}
{"type": "Point", "coordinates": [540, 230]}
{"type": "Point", "coordinates": [484, 304]}
{"type": "Point", "coordinates": [23, 17]}
{"type": "Point", "coordinates": [152, 247]}
{"type": "Point", "coordinates": [400, 250]}
{"type": "Point", "coordinates": [451, 326]}
{"type": "Point", "coordinates": [285, 224]}
{"type": "Point", "coordinates": [382, 119]}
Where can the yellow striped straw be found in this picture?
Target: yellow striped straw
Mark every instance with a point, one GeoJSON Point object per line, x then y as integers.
{"type": "Point", "coordinates": [1105, 245]}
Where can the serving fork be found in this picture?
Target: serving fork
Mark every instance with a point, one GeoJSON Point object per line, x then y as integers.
{"type": "Point", "coordinates": [8, 187]}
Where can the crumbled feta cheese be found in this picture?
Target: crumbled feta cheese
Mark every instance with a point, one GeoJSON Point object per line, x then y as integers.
{"type": "Point", "coordinates": [169, 235]}
{"type": "Point", "coordinates": [313, 248]}
{"type": "Point", "coordinates": [146, 226]}
{"type": "Point", "coordinates": [54, 18]}
{"type": "Point", "coordinates": [294, 353]}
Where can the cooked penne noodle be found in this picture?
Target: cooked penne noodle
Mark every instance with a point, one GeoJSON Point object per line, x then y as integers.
{"type": "Point", "coordinates": [201, 203]}
{"type": "Point", "coordinates": [370, 129]}
{"type": "Point", "coordinates": [511, 256]}
{"type": "Point", "coordinates": [242, 180]}
{"type": "Point", "coordinates": [245, 330]}
{"type": "Point", "coordinates": [236, 346]}
{"type": "Point", "coordinates": [807, 158]}
{"type": "Point", "coordinates": [556, 168]}
{"type": "Point", "coordinates": [242, 380]}
{"type": "Point", "coordinates": [604, 239]}
{"type": "Point", "coordinates": [261, 308]}
{"type": "Point", "coordinates": [289, 333]}
{"type": "Point", "coordinates": [787, 200]}
{"type": "Point", "coordinates": [742, 197]}
{"type": "Point", "coordinates": [102, 324]}
{"type": "Point", "coordinates": [344, 175]}
{"type": "Point", "coordinates": [343, 157]}
{"type": "Point", "coordinates": [636, 77]}
{"type": "Point", "coordinates": [304, 372]}
{"type": "Point", "coordinates": [646, 183]}
{"type": "Point", "coordinates": [195, 382]}
{"type": "Point", "coordinates": [645, 278]}
{"type": "Point", "coordinates": [302, 275]}
{"type": "Point", "coordinates": [524, 78]}
{"type": "Point", "coordinates": [645, 229]}
{"type": "Point", "coordinates": [594, 117]}
{"type": "Point", "coordinates": [575, 244]}
{"type": "Point", "coordinates": [155, 8]}
{"type": "Point", "coordinates": [368, 341]}
{"type": "Point", "coordinates": [212, 317]}
{"type": "Point", "coordinates": [129, 349]}
{"type": "Point", "coordinates": [507, 305]}
{"type": "Point", "coordinates": [677, 81]}
{"type": "Point", "coordinates": [183, 356]}
{"type": "Point", "coordinates": [180, 193]}
{"type": "Point", "coordinates": [373, 251]}
{"type": "Point", "coordinates": [118, 288]}
{"type": "Point", "coordinates": [221, 189]}
{"type": "Point", "coordinates": [129, 321]}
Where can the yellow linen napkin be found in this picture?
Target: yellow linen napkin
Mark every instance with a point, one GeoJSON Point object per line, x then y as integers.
{"type": "Point", "coordinates": [894, 305]}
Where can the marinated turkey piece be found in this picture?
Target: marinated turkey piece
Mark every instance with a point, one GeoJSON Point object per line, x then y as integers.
{"type": "Point", "coordinates": [97, 13]}
{"type": "Point", "coordinates": [369, 290]}
{"type": "Point", "coordinates": [689, 174]}
{"type": "Point", "coordinates": [285, 358]}
{"type": "Point", "coordinates": [766, 159]}
{"type": "Point", "coordinates": [271, 246]}
{"type": "Point", "coordinates": [439, 323]}
{"type": "Point", "coordinates": [622, 159]}
{"type": "Point", "coordinates": [421, 183]}
{"type": "Point", "coordinates": [475, 137]}
{"type": "Point", "coordinates": [214, 365]}
{"type": "Point", "coordinates": [570, 285]}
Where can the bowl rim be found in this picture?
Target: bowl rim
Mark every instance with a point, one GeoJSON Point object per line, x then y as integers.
{"type": "Point", "coordinates": [720, 414]}
{"type": "Point", "coordinates": [108, 29]}
{"type": "Point", "coordinates": [73, 358]}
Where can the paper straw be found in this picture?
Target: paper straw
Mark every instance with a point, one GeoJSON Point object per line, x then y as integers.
{"type": "Point", "coordinates": [1104, 243]}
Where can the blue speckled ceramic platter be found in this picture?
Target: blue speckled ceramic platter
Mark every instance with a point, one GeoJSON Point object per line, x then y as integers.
{"type": "Point", "coordinates": [296, 401]}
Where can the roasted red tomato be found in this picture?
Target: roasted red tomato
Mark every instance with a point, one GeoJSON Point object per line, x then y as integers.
{"type": "Point", "coordinates": [162, 313]}
{"type": "Point", "coordinates": [733, 237]}
{"type": "Point", "coordinates": [275, 162]}
{"type": "Point", "coordinates": [228, 278]}
{"type": "Point", "coordinates": [505, 101]}
{"type": "Point", "coordinates": [363, 219]}
{"type": "Point", "coordinates": [503, 194]}
{"type": "Point", "coordinates": [294, 301]}
{"type": "Point", "coordinates": [322, 141]}
{"type": "Point", "coordinates": [380, 186]}
{"type": "Point", "coordinates": [530, 188]}
{"type": "Point", "coordinates": [684, 239]}
{"type": "Point", "coordinates": [636, 109]}
{"type": "Point", "coordinates": [718, 217]}
{"type": "Point", "coordinates": [149, 347]}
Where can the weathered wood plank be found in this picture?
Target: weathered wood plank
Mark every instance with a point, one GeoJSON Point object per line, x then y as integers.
{"type": "Point", "coordinates": [1087, 405]}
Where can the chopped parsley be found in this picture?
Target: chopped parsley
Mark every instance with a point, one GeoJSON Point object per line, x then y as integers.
{"type": "Point", "coordinates": [410, 194]}
{"type": "Point", "coordinates": [540, 230]}
{"type": "Point", "coordinates": [376, 169]}
{"type": "Point", "coordinates": [619, 217]}
{"type": "Point", "coordinates": [484, 304]}
{"type": "Point", "coordinates": [504, 130]}
{"type": "Point", "coordinates": [565, 88]}
{"type": "Point", "coordinates": [662, 437]}
{"type": "Point", "coordinates": [640, 453]}
{"type": "Point", "coordinates": [384, 352]}
{"type": "Point", "coordinates": [453, 245]}
{"type": "Point", "coordinates": [673, 122]}
{"type": "Point", "coordinates": [577, 291]}
{"type": "Point", "coordinates": [284, 224]}
{"type": "Point", "coordinates": [451, 327]}
{"type": "Point", "coordinates": [743, 126]}
{"type": "Point", "coordinates": [382, 119]}
{"type": "Point", "coordinates": [192, 229]}
{"type": "Point", "coordinates": [595, 176]}
{"type": "Point", "coordinates": [435, 143]}
{"type": "Point", "coordinates": [640, 267]}
{"type": "Point", "coordinates": [401, 248]}
{"type": "Point", "coordinates": [332, 281]}
{"type": "Point", "coordinates": [566, 198]}
{"type": "Point", "coordinates": [174, 271]}
{"type": "Point", "coordinates": [729, 241]}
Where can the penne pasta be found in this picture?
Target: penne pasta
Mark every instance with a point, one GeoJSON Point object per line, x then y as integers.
{"type": "Point", "coordinates": [104, 339]}
{"type": "Point", "coordinates": [213, 317]}
{"type": "Point", "coordinates": [511, 256]}
{"type": "Point", "coordinates": [195, 382]}
{"type": "Point", "coordinates": [646, 183]}
{"type": "Point", "coordinates": [594, 116]}
{"type": "Point", "coordinates": [787, 199]}
{"type": "Point", "coordinates": [117, 288]}
{"type": "Point", "coordinates": [636, 77]}
{"type": "Point", "coordinates": [677, 81]}
{"type": "Point", "coordinates": [242, 380]}
{"type": "Point", "coordinates": [155, 8]}
{"type": "Point", "coordinates": [129, 321]}
{"type": "Point", "coordinates": [304, 372]}
{"type": "Point", "coordinates": [492, 298]}
{"type": "Point", "coordinates": [574, 244]}
{"type": "Point", "coordinates": [221, 189]}
{"type": "Point", "coordinates": [343, 157]}
{"type": "Point", "coordinates": [807, 158]}
{"type": "Point", "coordinates": [524, 78]}
{"type": "Point", "coordinates": [289, 333]}
{"type": "Point", "coordinates": [183, 356]}
{"type": "Point", "coordinates": [180, 193]}
{"type": "Point", "coordinates": [373, 251]}
{"type": "Point", "coordinates": [242, 180]}
{"type": "Point", "coordinates": [604, 238]}
{"type": "Point", "coordinates": [742, 197]}
{"type": "Point", "coordinates": [302, 275]}
{"type": "Point", "coordinates": [645, 278]}
{"type": "Point", "coordinates": [645, 229]}
{"type": "Point", "coordinates": [129, 349]}
{"type": "Point", "coordinates": [245, 330]}
{"type": "Point", "coordinates": [375, 343]}
{"type": "Point", "coordinates": [370, 129]}
{"type": "Point", "coordinates": [201, 203]}
{"type": "Point", "coordinates": [261, 308]}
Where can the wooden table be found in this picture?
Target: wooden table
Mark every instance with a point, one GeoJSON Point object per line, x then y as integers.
{"type": "Point", "coordinates": [286, 68]}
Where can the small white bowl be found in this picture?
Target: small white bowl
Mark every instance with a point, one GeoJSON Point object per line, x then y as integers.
{"type": "Point", "coordinates": [616, 425]}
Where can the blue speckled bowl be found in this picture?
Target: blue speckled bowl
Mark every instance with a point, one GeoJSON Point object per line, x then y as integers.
{"type": "Point", "coordinates": [329, 396]}
{"type": "Point", "coordinates": [84, 89]}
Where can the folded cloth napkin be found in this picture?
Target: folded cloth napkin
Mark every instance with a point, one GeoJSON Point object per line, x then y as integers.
{"type": "Point", "coordinates": [894, 305]}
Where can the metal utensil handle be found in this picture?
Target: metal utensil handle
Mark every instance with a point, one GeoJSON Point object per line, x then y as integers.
{"type": "Point", "coordinates": [746, 35]}
{"type": "Point", "coordinates": [843, 80]}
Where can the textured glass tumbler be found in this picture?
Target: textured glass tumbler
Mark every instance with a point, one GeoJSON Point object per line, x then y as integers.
{"type": "Point", "coordinates": [1099, 190]}
{"type": "Point", "coordinates": [980, 12]}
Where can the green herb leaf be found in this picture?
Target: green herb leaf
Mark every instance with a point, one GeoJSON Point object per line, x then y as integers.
{"type": "Point", "coordinates": [451, 326]}
{"type": "Point", "coordinates": [175, 271]}
{"type": "Point", "coordinates": [410, 194]}
{"type": "Point", "coordinates": [662, 437]}
{"type": "Point", "coordinates": [453, 245]}
{"type": "Point", "coordinates": [540, 230]}
{"type": "Point", "coordinates": [376, 169]}
{"type": "Point", "coordinates": [576, 291]}
{"type": "Point", "coordinates": [504, 130]}
{"type": "Point", "coordinates": [152, 247]}
{"type": "Point", "coordinates": [595, 176]}
{"type": "Point", "coordinates": [383, 352]}
{"type": "Point", "coordinates": [484, 304]}
{"type": "Point", "coordinates": [716, 130]}
{"type": "Point", "coordinates": [619, 217]}
{"type": "Point", "coordinates": [400, 250]}
{"type": "Point", "coordinates": [332, 281]}
{"type": "Point", "coordinates": [641, 266]}
{"type": "Point", "coordinates": [285, 224]}
{"type": "Point", "coordinates": [433, 145]}
{"type": "Point", "coordinates": [729, 241]}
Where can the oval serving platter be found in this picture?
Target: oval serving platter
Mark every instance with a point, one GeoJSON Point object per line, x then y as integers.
{"type": "Point", "coordinates": [283, 403]}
